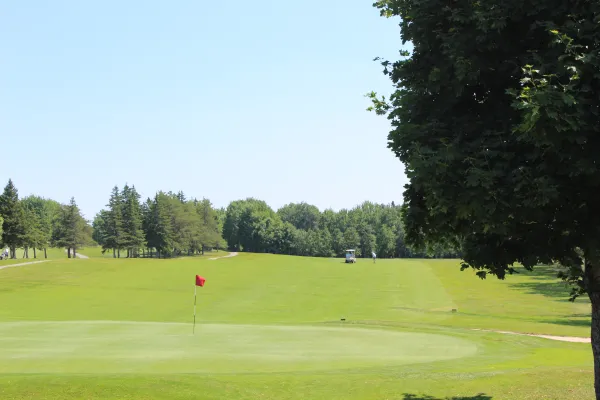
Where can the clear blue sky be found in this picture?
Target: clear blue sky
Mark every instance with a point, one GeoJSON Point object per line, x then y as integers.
{"type": "Point", "coordinates": [221, 99]}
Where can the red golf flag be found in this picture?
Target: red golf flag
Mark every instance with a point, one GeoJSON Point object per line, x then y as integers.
{"type": "Point", "coordinates": [200, 280]}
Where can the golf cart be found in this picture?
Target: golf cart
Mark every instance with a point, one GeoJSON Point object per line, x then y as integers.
{"type": "Point", "coordinates": [350, 256]}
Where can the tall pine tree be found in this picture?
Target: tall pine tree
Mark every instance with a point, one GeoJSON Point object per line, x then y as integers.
{"type": "Point", "coordinates": [11, 210]}
{"type": "Point", "coordinates": [114, 224]}
{"type": "Point", "coordinates": [70, 229]}
{"type": "Point", "coordinates": [133, 235]}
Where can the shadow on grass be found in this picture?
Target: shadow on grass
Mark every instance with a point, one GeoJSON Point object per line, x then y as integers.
{"type": "Point", "coordinates": [586, 323]}
{"type": "Point", "coordinates": [480, 396]}
{"type": "Point", "coordinates": [552, 288]}
{"type": "Point", "coordinates": [543, 280]}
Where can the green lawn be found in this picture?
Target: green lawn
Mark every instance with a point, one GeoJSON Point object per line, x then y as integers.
{"type": "Point", "coordinates": [269, 327]}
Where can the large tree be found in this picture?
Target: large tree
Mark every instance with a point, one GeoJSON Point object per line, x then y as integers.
{"type": "Point", "coordinates": [70, 229]}
{"type": "Point", "coordinates": [114, 232]}
{"type": "Point", "coordinates": [133, 235]}
{"type": "Point", "coordinates": [495, 116]}
{"type": "Point", "coordinates": [45, 211]}
{"type": "Point", "coordinates": [13, 213]}
{"type": "Point", "coordinates": [302, 215]}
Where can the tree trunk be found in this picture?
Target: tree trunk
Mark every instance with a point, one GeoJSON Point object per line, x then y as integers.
{"type": "Point", "coordinates": [591, 281]}
{"type": "Point", "coordinates": [118, 253]}
{"type": "Point", "coordinates": [143, 252]}
{"type": "Point", "coordinates": [45, 253]}
{"type": "Point", "coordinates": [74, 253]}
{"type": "Point", "coordinates": [114, 253]}
{"type": "Point", "coordinates": [202, 249]}
{"type": "Point", "coordinates": [68, 252]}
{"type": "Point", "coordinates": [34, 253]}
{"type": "Point", "coordinates": [595, 334]}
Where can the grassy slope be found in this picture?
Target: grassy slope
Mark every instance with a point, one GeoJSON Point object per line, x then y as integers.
{"type": "Point", "coordinates": [412, 295]}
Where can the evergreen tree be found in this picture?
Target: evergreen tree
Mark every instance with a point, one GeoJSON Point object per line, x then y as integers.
{"type": "Point", "coordinates": [211, 234]}
{"type": "Point", "coordinates": [70, 229]}
{"type": "Point", "coordinates": [13, 214]}
{"type": "Point", "coordinates": [45, 211]}
{"type": "Point", "coordinates": [114, 224]}
{"type": "Point", "coordinates": [133, 234]}
{"type": "Point", "coordinates": [33, 237]}
{"type": "Point", "coordinates": [160, 227]}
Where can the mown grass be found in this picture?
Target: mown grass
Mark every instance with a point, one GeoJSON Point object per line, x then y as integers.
{"type": "Point", "coordinates": [271, 327]}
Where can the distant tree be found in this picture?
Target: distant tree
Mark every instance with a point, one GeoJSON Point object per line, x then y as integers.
{"type": "Point", "coordinates": [13, 215]}
{"type": "Point", "coordinates": [386, 242]}
{"type": "Point", "coordinates": [100, 228]}
{"type": "Point", "coordinates": [133, 235]}
{"type": "Point", "coordinates": [337, 243]}
{"type": "Point", "coordinates": [495, 116]}
{"type": "Point", "coordinates": [302, 215]}
{"type": "Point", "coordinates": [367, 240]}
{"type": "Point", "coordinates": [324, 244]}
{"type": "Point", "coordinates": [114, 233]}
{"type": "Point", "coordinates": [45, 212]}
{"type": "Point", "coordinates": [70, 229]}
{"type": "Point", "coordinates": [352, 240]}
{"type": "Point", "coordinates": [247, 223]}
{"type": "Point", "coordinates": [231, 225]}
{"type": "Point", "coordinates": [210, 232]}
{"type": "Point", "coordinates": [160, 233]}
{"type": "Point", "coordinates": [33, 237]}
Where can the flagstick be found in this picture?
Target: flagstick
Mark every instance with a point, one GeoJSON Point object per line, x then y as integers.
{"type": "Point", "coordinates": [194, 328]}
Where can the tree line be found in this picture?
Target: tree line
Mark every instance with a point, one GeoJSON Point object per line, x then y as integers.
{"type": "Point", "coordinates": [166, 225]}
{"type": "Point", "coordinates": [35, 223]}
{"type": "Point", "coordinates": [170, 225]}
{"type": "Point", "coordinates": [302, 229]}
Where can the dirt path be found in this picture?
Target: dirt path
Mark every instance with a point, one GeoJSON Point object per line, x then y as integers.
{"type": "Point", "coordinates": [571, 339]}
{"type": "Point", "coordinates": [21, 264]}
{"type": "Point", "coordinates": [227, 256]}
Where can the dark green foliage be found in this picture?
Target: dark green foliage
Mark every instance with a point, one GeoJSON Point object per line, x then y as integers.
{"type": "Point", "coordinates": [302, 215]}
{"type": "Point", "coordinates": [495, 116]}
{"type": "Point", "coordinates": [14, 218]}
{"type": "Point", "coordinates": [133, 235]}
{"type": "Point", "coordinates": [41, 214]}
{"type": "Point", "coordinates": [168, 224]}
{"type": "Point", "coordinates": [70, 228]}
{"type": "Point", "coordinates": [100, 227]}
{"type": "Point", "coordinates": [250, 225]}
{"type": "Point", "coordinates": [113, 230]}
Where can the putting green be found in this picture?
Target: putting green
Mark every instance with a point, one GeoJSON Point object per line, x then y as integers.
{"type": "Point", "coordinates": [139, 347]}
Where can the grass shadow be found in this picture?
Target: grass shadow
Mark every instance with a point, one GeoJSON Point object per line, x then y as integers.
{"type": "Point", "coordinates": [543, 280]}
{"type": "Point", "coordinates": [480, 396]}
{"type": "Point", "coordinates": [586, 323]}
{"type": "Point", "coordinates": [552, 288]}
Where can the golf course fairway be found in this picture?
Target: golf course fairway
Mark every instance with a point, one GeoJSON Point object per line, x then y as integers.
{"type": "Point", "coordinates": [280, 327]}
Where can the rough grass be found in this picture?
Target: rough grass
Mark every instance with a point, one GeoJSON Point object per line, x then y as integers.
{"type": "Point", "coordinates": [270, 327]}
